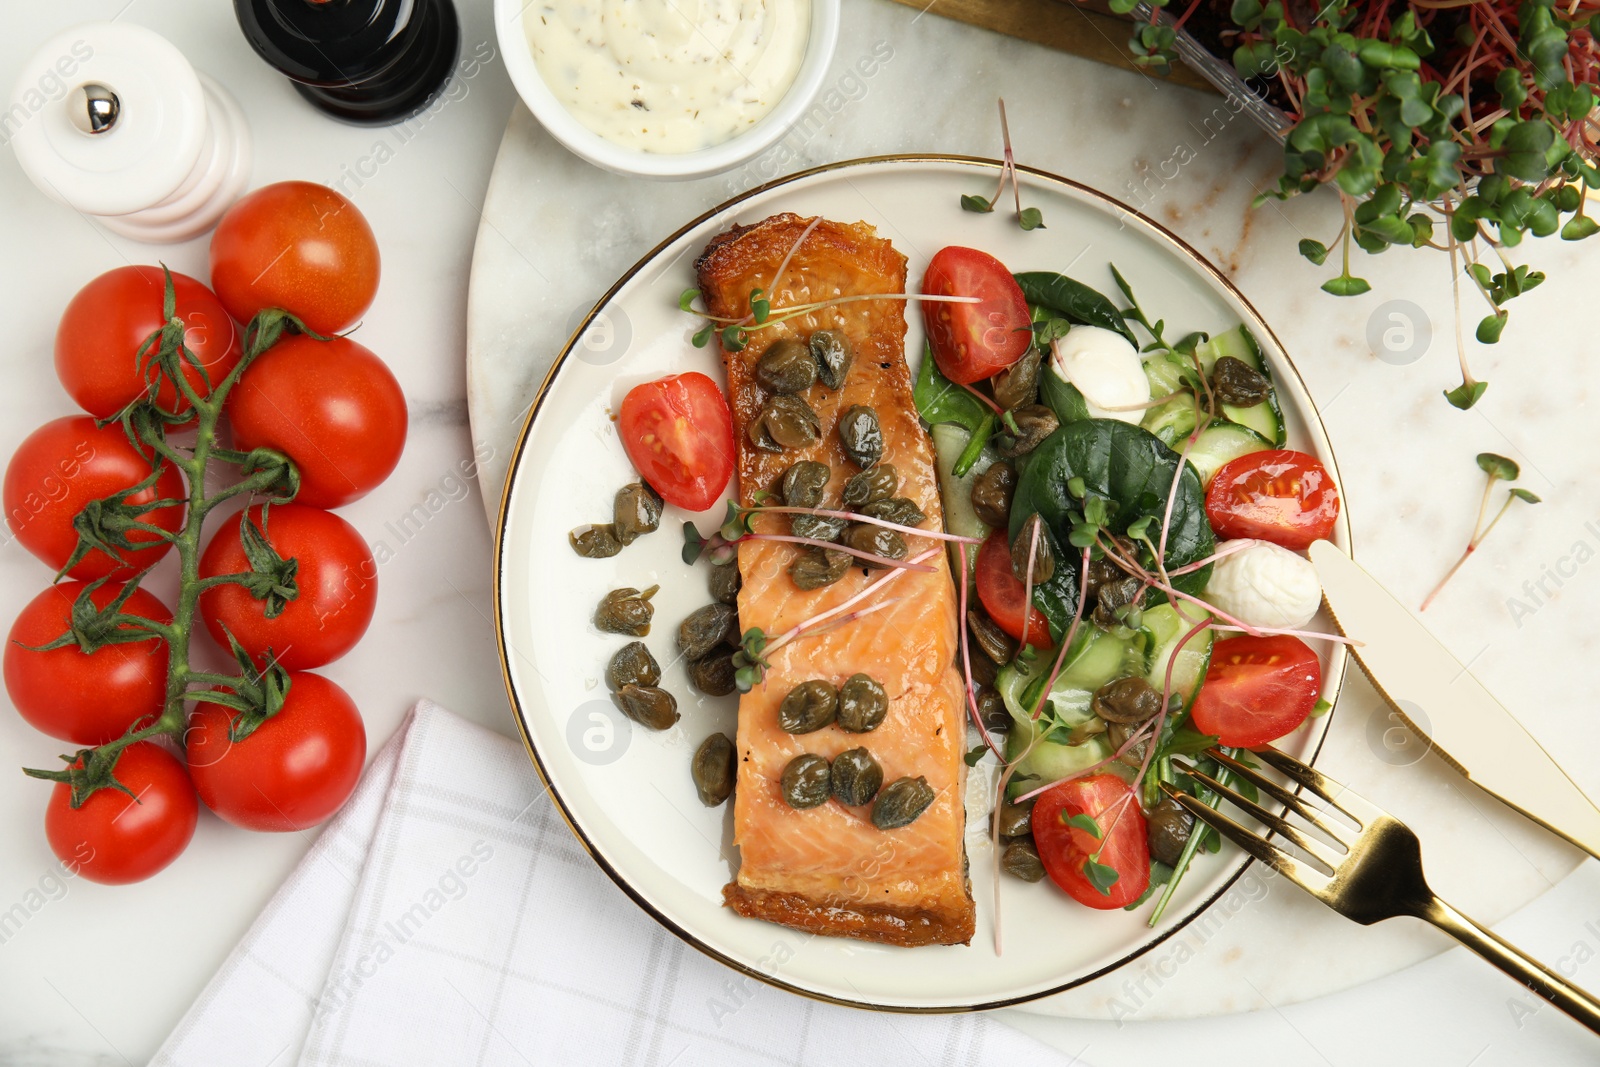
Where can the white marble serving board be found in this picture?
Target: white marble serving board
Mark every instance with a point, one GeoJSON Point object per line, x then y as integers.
{"type": "Point", "coordinates": [556, 233]}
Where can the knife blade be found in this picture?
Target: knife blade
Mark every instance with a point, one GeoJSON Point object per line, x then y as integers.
{"type": "Point", "coordinates": [1459, 718]}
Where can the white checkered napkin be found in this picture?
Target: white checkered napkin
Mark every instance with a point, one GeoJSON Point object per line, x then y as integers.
{"type": "Point", "coordinates": [448, 917]}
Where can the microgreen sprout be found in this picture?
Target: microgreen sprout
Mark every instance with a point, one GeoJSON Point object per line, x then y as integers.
{"type": "Point", "coordinates": [1497, 469]}
{"type": "Point", "coordinates": [1029, 218]}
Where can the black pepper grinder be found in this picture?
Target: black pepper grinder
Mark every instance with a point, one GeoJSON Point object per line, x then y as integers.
{"type": "Point", "coordinates": [370, 62]}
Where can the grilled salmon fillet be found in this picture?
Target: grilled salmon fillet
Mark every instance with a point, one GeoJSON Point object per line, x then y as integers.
{"type": "Point", "coordinates": [828, 869]}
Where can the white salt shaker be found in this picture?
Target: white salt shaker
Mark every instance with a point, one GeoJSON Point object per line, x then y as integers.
{"type": "Point", "coordinates": [110, 119]}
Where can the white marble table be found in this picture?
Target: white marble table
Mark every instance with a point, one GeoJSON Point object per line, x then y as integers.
{"type": "Point", "coordinates": [1406, 457]}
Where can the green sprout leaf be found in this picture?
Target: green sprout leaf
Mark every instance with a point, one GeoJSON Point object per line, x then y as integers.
{"type": "Point", "coordinates": [975, 203]}
{"type": "Point", "coordinates": [1523, 494]}
{"type": "Point", "coordinates": [1315, 251]}
{"type": "Point", "coordinates": [1346, 285]}
{"type": "Point", "coordinates": [686, 299]}
{"type": "Point", "coordinates": [1489, 329]}
{"type": "Point", "coordinates": [1500, 467]}
{"type": "Point", "coordinates": [1031, 218]}
{"type": "Point", "coordinates": [974, 755]}
{"type": "Point", "coordinates": [1100, 876]}
{"type": "Point", "coordinates": [1466, 394]}
{"type": "Point", "coordinates": [1085, 822]}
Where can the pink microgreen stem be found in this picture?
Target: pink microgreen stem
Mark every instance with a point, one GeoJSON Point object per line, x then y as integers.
{"type": "Point", "coordinates": [1027, 581]}
{"type": "Point", "coordinates": [1127, 746]}
{"type": "Point", "coordinates": [1066, 638]}
{"type": "Point", "coordinates": [839, 609]}
{"type": "Point", "coordinates": [966, 658]}
{"type": "Point", "coordinates": [882, 561]}
{"type": "Point", "coordinates": [783, 266]}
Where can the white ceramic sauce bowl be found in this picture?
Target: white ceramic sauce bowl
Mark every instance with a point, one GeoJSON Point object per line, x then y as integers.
{"type": "Point", "coordinates": [586, 144]}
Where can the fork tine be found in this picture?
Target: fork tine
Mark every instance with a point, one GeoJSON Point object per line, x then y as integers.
{"type": "Point", "coordinates": [1347, 800]}
{"type": "Point", "coordinates": [1318, 851]}
{"type": "Point", "coordinates": [1313, 881]}
{"type": "Point", "coordinates": [1294, 803]}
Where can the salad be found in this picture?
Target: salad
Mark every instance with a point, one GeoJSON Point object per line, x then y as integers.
{"type": "Point", "coordinates": [1139, 595]}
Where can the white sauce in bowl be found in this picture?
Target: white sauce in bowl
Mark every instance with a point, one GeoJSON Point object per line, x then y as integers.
{"type": "Point", "coordinates": [668, 76]}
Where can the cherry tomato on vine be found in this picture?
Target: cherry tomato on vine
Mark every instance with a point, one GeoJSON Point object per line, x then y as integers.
{"type": "Point", "coordinates": [299, 246]}
{"type": "Point", "coordinates": [1257, 689]}
{"type": "Point", "coordinates": [85, 698]}
{"type": "Point", "coordinates": [332, 406]}
{"type": "Point", "coordinates": [115, 839]}
{"type": "Point", "coordinates": [972, 342]}
{"type": "Point", "coordinates": [1280, 495]}
{"type": "Point", "coordinates": [1120, 846]}
{"type": "Point", "coordinates": [1003, 597]}
{"type": "Point", "coordinates": [62, 466]}
{"type": "Point", "coordinates": [293, 771]}
{"type": "Point", "coordinates": [336, 578]}
{"type": "Point", "coordinates": [679, 435]}
{"type": "Point", "coordinates": [98, 340]}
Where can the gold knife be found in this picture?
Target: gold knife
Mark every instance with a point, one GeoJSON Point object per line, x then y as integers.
{"type": "Point", "coordinates": [1460, 719]}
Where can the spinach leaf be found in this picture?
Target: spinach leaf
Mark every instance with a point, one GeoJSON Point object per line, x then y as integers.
{"type": "Point", "coordinates": [938, 399]}
{"type": "Point", "coordinates": [1058, 598]}
{"type": "Point", "coordinates": [1133, 472]}
{"type": "Point", "coordinates": [1061, 396]}
{"type": "Point", "coordinates": [1074, 300]}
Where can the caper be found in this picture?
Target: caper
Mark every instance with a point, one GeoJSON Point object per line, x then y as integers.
{"type": "Point", "coordinates": [1126, 700]}
{"type": "Point", "coordinates": [714, 673]}
{"type": "Point", "coordinates": [861, 435]}
{"type": "Point", "coordinates": [806, 782]}
{"type": "Point", "coordinates": [633, 665]}
{"type": "Point", "coordinates": [787, 366]}
{"type": "Point", "coordinates": [1113, 600]}
{"type": "Point", "coordinates": [1034, 422]}
{"type": "Point", "coordinates": [1018, 384]}
{"type": "Point", "coordinates": [1020, 859]}
{"type": "Point", "coordinates": [863, 703]}
{"type": "Point", "coordinates": [706, 628]}
{"type": "Point", "coordinates": [626, 611]}
{"type": "Point", "coordinates": [1104, 570]}
{"type": "Point", "coordinates": [900, 802]}
{"type": "Point", "coordinates": [636, 510]}
{"type": "Point", "coordinates": [595, 541]}
{"type": "Point", "coordinates": [1118, 733]}
{"type": "Point", "coordinates": [983, 670]}
{"type": "Point", "coordinates": [817, 527]}
{"type": "Point", "coordinates": [1237, 383]}
{"type": "Point", "coordinates": [784, 422]}
{"type": "Point", "coordinates": [1169, 827]}
{"type": "Point", "coordinates": [876, 541]}
{"type": "Point", "coordinates": [725, 582]}
{"type": "Point", "coordinates": [804, 483]}
{"type": "Point", "coordinates": [999, 646]}
{"type": "Point", "coordinates": [897, 509]}
{"type": "Point", "coordinates": [856, 777]}
{"type": "Point", "coordinates": [818, 567]}
{"type": "Point", "coordinates": [1031, 557]}
{"type": "Point", "coordinates": [873, 484]}
{"type": "Point", "coordinates": [833, 356]}
{"type": "Point", "coordinates": [1016, 820]}
{"type": "Point", "coordinates": [991, 495]}
{"type": "Point", "coordinates": [992, 709]}
{"type": "Point", "coordinates": [714, 770]}
{"type": "Point", "coordinates": [647, 705]}
{"type": "Point", "coordinates": [809, 706]}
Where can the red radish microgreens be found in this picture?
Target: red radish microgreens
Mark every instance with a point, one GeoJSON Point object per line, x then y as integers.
{"type": "Point", "coordinates": [1030, 218]}
{"type": "Point", "coordinates": [1498, 469]}
{"type": "Point", "coordinates": [743, 515]}
{"type": "Point", "coordinates": [735, 332]}
{"type": "Point", "coordinates": [736, 529]}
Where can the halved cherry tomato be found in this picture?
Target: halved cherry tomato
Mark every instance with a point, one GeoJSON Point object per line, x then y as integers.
{"type": "Point", "coordinates": [1122, 844]}
{"type": "Point", "coordinates": [293, 771]}
{"type": "Point", "coordinates": [97, 342]}
{"type": "Point", "coordinates": [972, 342]}
{"type": "Point", "coordinates": [62, 466]}
{"type": "Point", "coordinates": [1003, 596]}
{"type": "Point", "coordinates": [1281, 495]}
{"type": "Point", "coordinates": [92, 698]}
{"type": "Point", "coordinates": [114, 838]}
{"type": "Point", "coordinates": [1257, 689]}
{"type": "Point", "coordinates": [678, 433]}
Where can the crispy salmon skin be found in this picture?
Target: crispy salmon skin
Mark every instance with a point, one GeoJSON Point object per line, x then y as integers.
{"type": "Point", "coordinates": [828, 869]}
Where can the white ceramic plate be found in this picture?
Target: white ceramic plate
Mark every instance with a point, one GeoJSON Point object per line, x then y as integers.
{"type": "Point", "coordinates": [625, 790]}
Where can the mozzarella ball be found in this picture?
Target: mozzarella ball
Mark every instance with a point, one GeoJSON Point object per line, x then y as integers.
{"type": "Point", "coordinates": [1266, 585]}
{"type": "Point", "coordinates": [1106, 369]}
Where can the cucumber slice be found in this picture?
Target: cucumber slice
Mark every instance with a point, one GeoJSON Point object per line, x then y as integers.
{"type": "Point", "coordinates": [1049, 762]}
{"type": "Point", "coordinates": [1165, 375]}
{"type": "Point", "coordinates": [1172, 420]}
{"type": "Point", "coordinates": [1265, 418]}
{"type": "Point", "coordinates": [1221, 442]}
{"type": "Point", "coordinates": [1164, 628]}
{"type": "Point", "coordinates": [949, 440]}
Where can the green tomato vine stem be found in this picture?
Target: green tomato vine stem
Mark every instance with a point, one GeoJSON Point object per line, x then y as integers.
{"type": "Point", "coordinates": [268, 473]}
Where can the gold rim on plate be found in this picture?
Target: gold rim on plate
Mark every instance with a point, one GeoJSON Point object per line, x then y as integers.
{"type": "Point", "coordinates": [1126, 212]}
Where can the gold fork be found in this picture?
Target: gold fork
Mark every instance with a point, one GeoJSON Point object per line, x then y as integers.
{"type": "Point", "coordinates": [1375, 873]}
